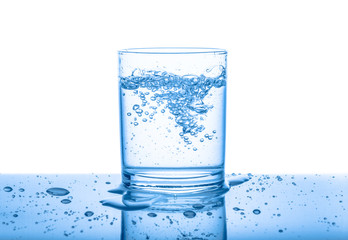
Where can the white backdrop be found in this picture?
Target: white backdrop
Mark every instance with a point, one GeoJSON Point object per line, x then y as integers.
{"type": "Point", "coordinates": [287, 90]}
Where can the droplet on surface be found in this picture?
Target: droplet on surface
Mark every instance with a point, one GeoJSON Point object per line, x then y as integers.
{"type": "Point", "coordinates": [189, 214]}
{"type": "Point", "coordinates": [256, 211]}
{"type": "Point", "coordinates": [57, 191]}
{"type": "Point", "coordinates": [21, 190]}
{"type": "Point", "coordinates": [65, 201]}
{"type": "Point", "coordinates": [15, 215]}
{"type": "Point", "coordinates": [89, 214]}
{"type": "Point", "coordinates": [8, 189]}
{"type": "Point", "coordinates": [237, 209]}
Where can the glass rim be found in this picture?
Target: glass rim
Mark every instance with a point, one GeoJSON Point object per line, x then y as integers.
{"type": "Point", "coordinates": [173, 50]}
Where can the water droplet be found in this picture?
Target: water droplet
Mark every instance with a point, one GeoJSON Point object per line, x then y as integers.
{"type": "Point", "coordinates": [198, 206]}
{"type": "Point", "coordinates": [237, 209]}
{"type": "Point", "coordinates": [144, 120]}
{"type": "Point", "coordinates": [136, 124]}
{"type": "Point", "coordinates": [57, 191]}
{"type": "Point", "coordinates": [89, 214]}
{"type": "Point", "coordinates": [209, 213]}
{"type": "Point", "coordinates": [65, 201]}
{"type": "Point", "coordinates": [201, 140]}
{"type": "Point", "coordinates": [189, 214]}
{"type": "Point", "coordinates": [15, 215]}
{"type": "Point", "coordinates": [129, 114]}
{"type": "Point", "coordinates": [107, 182]}
{"type": "Point", "coordinates": [21, 190]}
{"type": "Point", "coordinates": [237, 179]}
{"type": "Point", "coordinates": [194, 149]}
{"type": "Point", "coordinates": [256, 211]}
{"type": "Point", "coordinates": [279, 178]}
{"type": "Point", "coordinates": [136, 106]}
{"type": "Point", "coordinates": [8, 189]}
{"type": "Point", "coordinates": [280, 230]}
{"type": "Point", "coordinates": [152, 214]}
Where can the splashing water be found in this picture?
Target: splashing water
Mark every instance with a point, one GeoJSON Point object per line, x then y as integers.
{"type": "Point", "coordinates": [182, 96]}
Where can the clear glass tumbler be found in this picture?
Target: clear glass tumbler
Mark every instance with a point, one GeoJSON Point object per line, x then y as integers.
{"type": "Point", "coordinates": [172, 116]}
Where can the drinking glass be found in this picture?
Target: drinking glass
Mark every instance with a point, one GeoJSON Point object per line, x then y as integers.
{"type": "Point", "coordinates": [172, 117]}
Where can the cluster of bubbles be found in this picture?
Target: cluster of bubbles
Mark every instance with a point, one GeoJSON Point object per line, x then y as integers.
{"type": "Point", "coordinates": [181, 96]}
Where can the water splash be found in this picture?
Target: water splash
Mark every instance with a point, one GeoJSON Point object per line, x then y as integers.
{"type": "Point", "coordinates": [234, 180]}
{"type": "Point", "coordinates": [183, 96]}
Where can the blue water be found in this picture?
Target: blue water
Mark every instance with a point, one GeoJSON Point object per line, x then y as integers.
{"type": "Point", "coordinates": [262, 207]}
{"type": "Point", "coordinates": [172, 122]}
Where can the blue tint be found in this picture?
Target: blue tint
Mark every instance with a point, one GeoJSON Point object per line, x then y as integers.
{"type": "Point", "coordinates": [315, 207]}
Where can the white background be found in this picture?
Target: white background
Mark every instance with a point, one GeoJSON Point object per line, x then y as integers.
{"type": "Point", "coordinates": [287, 73]}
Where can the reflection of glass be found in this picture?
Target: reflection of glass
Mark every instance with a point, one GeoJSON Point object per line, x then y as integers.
{"type": "Point", "coordinates": [181, 218]}
{"type": "Point", "coordinates": [172, 114]}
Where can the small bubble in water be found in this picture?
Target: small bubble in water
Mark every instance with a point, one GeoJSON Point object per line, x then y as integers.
{"type": "Point", "coordinates": [65, 201]}
{"type": "Point", "coordinates": [194, 149]}
{"type": "Point", "coordinates": [256, 211]}
{"type": "Point", "coordinates": [214, 131]}
{"type": "Point", "coordinates": [162, 111]}
{"type": "Point", "coordinates": [152, 214]}
{"type": "Point", "coordinates": [209, 213]}
{"type": "Point", "coordinates": [144, 120]}
{"type": "Point", "coordinates": [129, 114]}
{"type": "Point", "coordinates": [21, 190]}
{"type": "Point", "coordinates": [89, 214]}
{"type": "Point", "coordinates": [8, 189]}
{"type": "Point", "coordinates": [189, 214]}
{"type": "Point", "coordinates": [136, 124]}
{"type": "Point", "coordinates": [135, 107]}
{"type": "Point", "coordinates": [57, 191]}
{"type": "Point", "coordinates": [198, 206]}
{"type": "Point", "coordinates": [202, 140]}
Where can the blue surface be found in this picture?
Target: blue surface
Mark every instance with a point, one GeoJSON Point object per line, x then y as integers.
{"type": "Point", "coordinates": [266, 207]}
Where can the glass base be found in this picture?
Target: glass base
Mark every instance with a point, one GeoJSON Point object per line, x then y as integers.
{"type": "Point", "coordinates": [173, 180]}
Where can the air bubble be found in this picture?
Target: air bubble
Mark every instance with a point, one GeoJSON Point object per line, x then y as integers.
{"type": "Point", "coordinates": [89, 214]}
{"type": "Point", "coordinates": [189, 214]}
{"type": "Point", "coordinates": [152, 215]}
